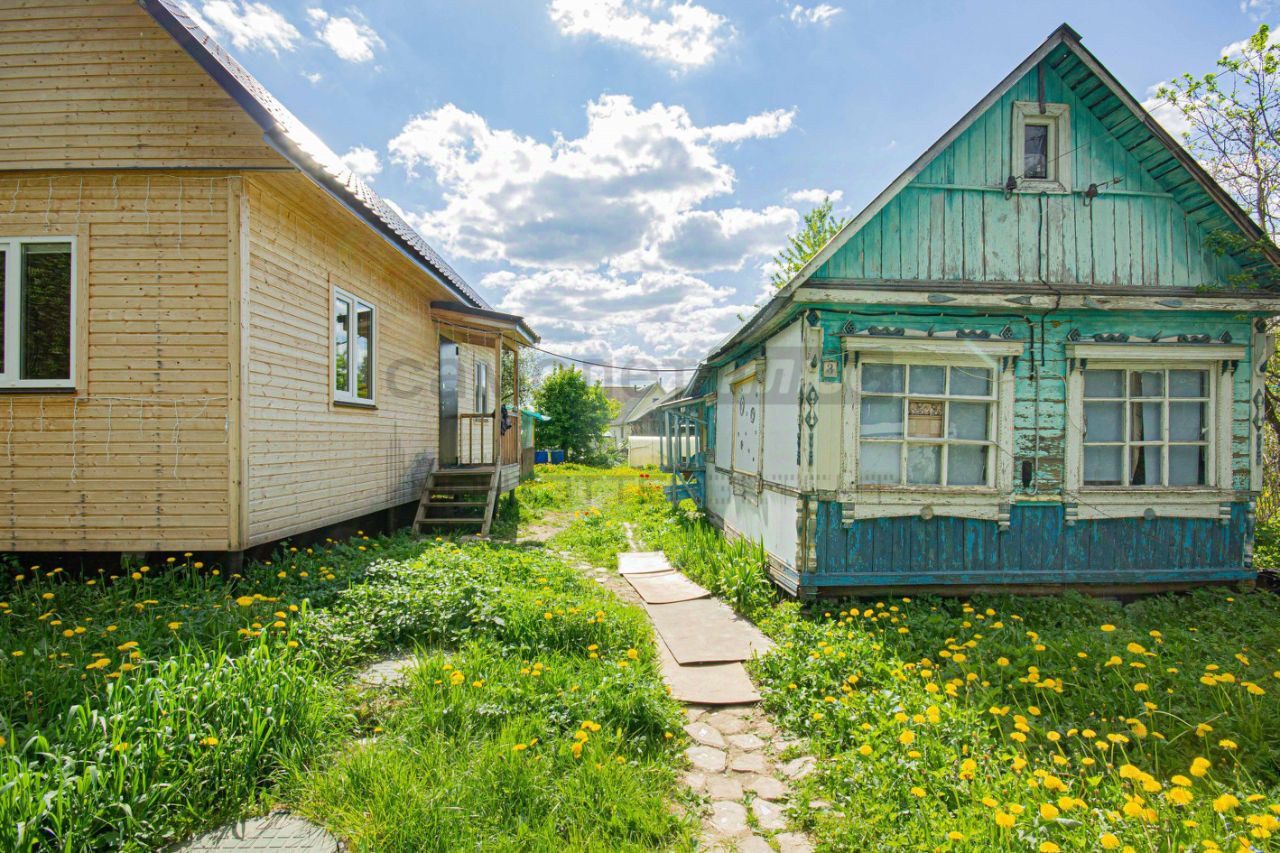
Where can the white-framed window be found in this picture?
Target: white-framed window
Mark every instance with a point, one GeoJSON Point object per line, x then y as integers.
{"type": "Point", "coordinates": [1041, 149]}
{"type": "Point", "coordinates": [354, 322]}
{"type": "Point", "coordinates": [926, 424]}
{"type": "Point", "coordinates": [38, 312]}
{"type": "Point", "coordinates": [747, 389]}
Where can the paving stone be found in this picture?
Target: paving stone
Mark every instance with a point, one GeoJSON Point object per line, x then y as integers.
{"type": "Point", "coordinates": [819, 805]}
{"type": "Point", "coordinates": [754, 844]}
{"type": "Point", "coordinates": [781, 746]}
{"type": "Point", "coordinates": [723, 788]}
{"type": "Point", "coordinates": [769, 815]}
{"type": "Point", "coordinates": [693, 713]}
{"type": "Point", "coordinates": [800, 767]}
{"type": "Point", "coordinates": [694, 780]}
{"type": "Point", "coordinates": [276, 832]}
{"type": "Point", "coordinates": [768, 787]}
{"type": "Point", "coordinates": [707, 758]}
{"type": "Point", "coordinates": [705, 735]}
{"type": "Point", "coordinates": [746, 742]}
{"type": "Point", "coordinates": [727, 722]}
{"type": "Point", "coordinates": [729, 819]}
{"type": "Point", "coordinates": [764, 728]}
{"type": "Point", "coordinates": [387, 673]}
{"type": "Point", "coordinates": [793, 842]}
{"type": "Point", "coordinates": [751, 762]}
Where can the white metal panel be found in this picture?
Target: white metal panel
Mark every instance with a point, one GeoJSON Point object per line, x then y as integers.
{"type": "Point", "coordinates": [784, 369]}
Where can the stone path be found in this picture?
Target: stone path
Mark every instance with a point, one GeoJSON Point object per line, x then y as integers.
{"type": "Point", "coordinates": [275, 832]}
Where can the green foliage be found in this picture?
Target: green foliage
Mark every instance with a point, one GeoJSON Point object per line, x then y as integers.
{"type": "Point", "coordinates": [579, 415]}
{"type": "Point", "coordinates": [1266, 548]}
{"type": "Point", "coordinates": [820, 225]}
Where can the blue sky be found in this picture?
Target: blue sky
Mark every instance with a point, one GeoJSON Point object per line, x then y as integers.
{"type": "Point", "coordinates": [621, 171]}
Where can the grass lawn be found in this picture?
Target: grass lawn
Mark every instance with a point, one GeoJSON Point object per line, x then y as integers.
{"type": "Point", "coordinates": [138, 706]}
{"type": "Point", "coordinates": [1004, 723]}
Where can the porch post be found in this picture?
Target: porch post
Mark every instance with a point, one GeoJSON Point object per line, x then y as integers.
{"type": "Point", "coordinates": [497, 402]}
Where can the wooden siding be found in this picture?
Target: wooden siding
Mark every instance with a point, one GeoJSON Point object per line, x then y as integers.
{"type": "Point", "coordinates": [137, 458]}
{"type": "Point", "coordinates": [310, 462]}
{"type": "Point", "coordinates": [97, 84]}
{"type": "Point", "coordinates": [953, 221]}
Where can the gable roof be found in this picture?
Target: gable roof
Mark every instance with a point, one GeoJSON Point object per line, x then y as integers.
{"type": "Point", "coordinates": [301, 147]}
{"type": "Point", "coordinates": [1180, 174]}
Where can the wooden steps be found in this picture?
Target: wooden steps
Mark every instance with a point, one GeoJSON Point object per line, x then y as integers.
{"type": "Point", "coordinates": [458, 499]}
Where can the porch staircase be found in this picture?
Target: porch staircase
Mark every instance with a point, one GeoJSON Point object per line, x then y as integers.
{"type": "Point", "coordinates": [458, 499]}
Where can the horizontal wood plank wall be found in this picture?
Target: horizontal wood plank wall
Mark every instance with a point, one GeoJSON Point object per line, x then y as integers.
{"type": "Point", "coordinates": [312, 463]}
{"type": "Point", "coordinates": [136, 458]}
{"type": "Point", "coordinates": [98, 83]}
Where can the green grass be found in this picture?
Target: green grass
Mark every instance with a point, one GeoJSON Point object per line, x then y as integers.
{"type": "Point", "coordinates": [139, 706]}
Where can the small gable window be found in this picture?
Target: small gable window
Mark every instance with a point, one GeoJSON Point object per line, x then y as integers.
{"type": "Point", "coordinates": [1042, 149]}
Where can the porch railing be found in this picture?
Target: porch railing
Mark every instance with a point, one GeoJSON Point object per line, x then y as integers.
{"type": "Point", "coordinates": [475, 438]}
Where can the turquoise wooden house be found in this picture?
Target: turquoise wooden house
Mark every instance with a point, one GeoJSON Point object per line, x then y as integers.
{"type": "Point", "coordinates": [1026, 363]}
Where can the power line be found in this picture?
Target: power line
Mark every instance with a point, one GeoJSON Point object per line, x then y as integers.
{"type": "Point", "coordinates": [615, 366]}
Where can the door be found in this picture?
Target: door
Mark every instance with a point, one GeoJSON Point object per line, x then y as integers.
{"type": "Point", "coordinates": [448, 402]}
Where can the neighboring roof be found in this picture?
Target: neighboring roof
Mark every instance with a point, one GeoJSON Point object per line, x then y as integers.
{"type": "Point", "coordinates": [537, 416]}
{"type": "Point", "coordinates": [625, 396]}
{"type": "Point", "coordinates": [303, 148]}
{"type": "Point", "coordinates": [650, 403]}
{"type": "Point", "coordinates": [1172, 166]}
{"type": "Point", "coordinates": [493, 319]}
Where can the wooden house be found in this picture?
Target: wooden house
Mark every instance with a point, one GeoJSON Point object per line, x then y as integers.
{"type": "Point", "coordinates": [1031, 361]}
{"type": "Point", "coordinates": [214, 335]}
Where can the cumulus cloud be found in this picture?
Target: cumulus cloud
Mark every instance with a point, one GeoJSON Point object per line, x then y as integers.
{"type": "Point", "coordinates": [816, 196]}
{"type": "Point", "coordinates": [365, 162]}
{"type": "Point", "coordinates": [1168, 115]}
{"type": "Point", "coordinates": [820, 15]}
{"type": "Point", "coordinates": [249, 25]}
{"type": "Point", "coordinates": [613, 196]}
{"type": "Point", "coordinates": [684, 35]}
{"type": "Point", "coordinates": [351, 40]}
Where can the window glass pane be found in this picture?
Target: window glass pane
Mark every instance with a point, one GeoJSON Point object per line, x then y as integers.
{"type": "Point", "coordinates": [1104, 421]}
{"type": "Point", "coordinates": [881, 417]}
{"type": "Point", "coordinates": [1187, 465]}
{"type": "Point", "coordinates": [1035, 148]}
{"type": "Point", "coordinates": [1188, 383]}
{"type": "Point", "coordinates": [971, 381]}
{"type": "Point", "coordinates": [967, 465]}
{"type": "Point", "coordinates": [924, 464]}
{"type": "Point", "coordinates": [928, 379]}
{"type": "Point", "coordinates": [1146, 383]}
{"type": "Point", "coordinates": [45, 313]}
{"type": "Point", "coordinates": [1186, 423]}
{"type": "Point", "coordinates": [1103, 465]}
{"type": "Point", "coordinates": [878, 463]}
{"type": "Point", "coordinates": [1104, 383]}
{"type": "Point", "coordinates": [341, 344]}
{"type": "Point", "coordinates": [1145, 422]}
{"type": "Point", "coordinates": [969, 421]}
{"type": "Point", "coordinates": [924, 418]}
{"type": "Point", "coordinates": [882, 378]}
{"type": "Point", "coordinates": [3, 268]}
{"type": "Point", "coordinates": [1144, 466]}
{"type": "Point", "coordinates": [364, 352]}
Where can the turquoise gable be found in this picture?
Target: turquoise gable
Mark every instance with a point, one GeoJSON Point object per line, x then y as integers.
{"type": "Point", "coordinates": [954, 222]}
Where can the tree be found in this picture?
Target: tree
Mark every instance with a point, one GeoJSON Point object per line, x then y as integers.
{"type": "Point", "coordinates": [579, 414]}
{"type": "Point", "coordinates": [530, 370]}
{"type": "Point", "coordinates": [820, 225]}
{"type": "Point", "coordinates": [1233, 129]}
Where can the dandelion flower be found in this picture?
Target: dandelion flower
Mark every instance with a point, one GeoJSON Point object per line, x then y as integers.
{"type": "Point", "coordinates": [907, 738]}
{"type": "Point", "coordinates": [1108, 841]}
{"type": "Point", "coordinates": [1108, 628]}
{"type": "Point", "coordinates": [1225, 803]}
{"type": "Point", "coordinates": [1199, 766]}
{"type": "Point", "coordinates": [917, 791]}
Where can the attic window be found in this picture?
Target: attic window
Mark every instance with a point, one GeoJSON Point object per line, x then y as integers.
{"type": "Point", "coordinates": [1042, 147]}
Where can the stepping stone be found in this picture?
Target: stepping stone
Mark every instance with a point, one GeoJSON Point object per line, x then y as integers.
{"type": "Point", "coordinates": [387, 673]}
{"type": "Point", "coordinates": [723, 788]}
{"type": "Point", "coordinates": [705, 735]}
{"type": "Point", "coordinates": [768, 815]}
{"type": "Point", "coordinates": [706, 758]}
{"type": "Point", "coordinates": [751, 762]}
{"type": "Point", "coordinates": [694, 780]}
{"type": "Point", "coordinates": [665, 587]}
{"type": "Point", "coordinates": [706, 631]}
{"type": "Point", "coordinates": [728, 722]}
{"type": "Point", "coordinates": [712, 684]}
{"type": "Point", "coordinates": [800, 767]}
{"type": "Point", "coordinates": [692, 713]}
{"type": "Point", "coordinates": [729, 819]}
{"type": "Point", "coordinates": [278, 831]}
{"type": "Point", "coordinates": [754, 844]}
{"type": "Point", "coordinates": [768, 787]}
{"type": "Point", "coordinates": [643, 563]}
{"type": "Point", "coordinates": [793, 842]}
{"type": "Point", "coordinates": [746, 742]}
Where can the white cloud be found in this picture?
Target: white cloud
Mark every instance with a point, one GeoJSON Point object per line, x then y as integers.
{"type": "Point", "coordinates": [821, 15]}
{"type": "Point", "coordinates": [249, 25]}
{"type": "Point", "coordinates": [313, 77]}
{"type": "Point", "coordinates": [1165, 113]}
{"type": "Point", "coordinates": [614, 196]}
{"type": "Point", "coordinates": [363, 161]}
{"type": "Point", "coordinates": [1257, 9]}
{"type": "Point", "coordinates": [816, 196]}
{"type": "Point", "coordinates": [682, 34]}
{"type": "Point", "coordinates": [351, 40]}
{"type": "Point", "coordinates": [1237, 47]}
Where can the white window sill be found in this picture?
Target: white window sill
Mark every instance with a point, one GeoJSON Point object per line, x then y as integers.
{"type": "Point", "coordinates": [1169, 502]}
{"type": "Point", "coordinates": [355, 404]}
{"type": "Point", "coordinates": [977, 502]}
{"type": "Point", "coordinates": [37, 388]}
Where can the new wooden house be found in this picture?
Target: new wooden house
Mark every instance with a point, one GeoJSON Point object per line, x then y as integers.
{"type": "Point", "coordinates": [1031, 361]}
{"type": "Point", "coordinates": [214, 335]}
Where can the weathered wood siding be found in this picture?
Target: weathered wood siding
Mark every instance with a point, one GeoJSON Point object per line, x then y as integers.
{"type": "Point", "coordinates": [137, 457]}
{"type": "Point", "coordinates": [310, 462]}
{"type": "Point", "coordinates": [97, 83]}
{"type": "Point", "coordinates": [953, 221]}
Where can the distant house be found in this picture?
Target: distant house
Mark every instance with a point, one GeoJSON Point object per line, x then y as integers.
{"type": "Point", "coordinates": [215, 336]}
{"type": "Point", "coordinates": [638, 415]}
{"type": "Point", "coordinates": [1021, 365]}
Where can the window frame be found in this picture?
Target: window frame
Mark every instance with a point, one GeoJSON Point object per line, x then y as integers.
{"type": "Point", "coordinates": [482, 373]}
{"type": "Point", "coordinates": [1057, 117]}
{"type": "Point", "coordinates": [11, 294]}
{"type": "Point", "coordinates": [348, 396]}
